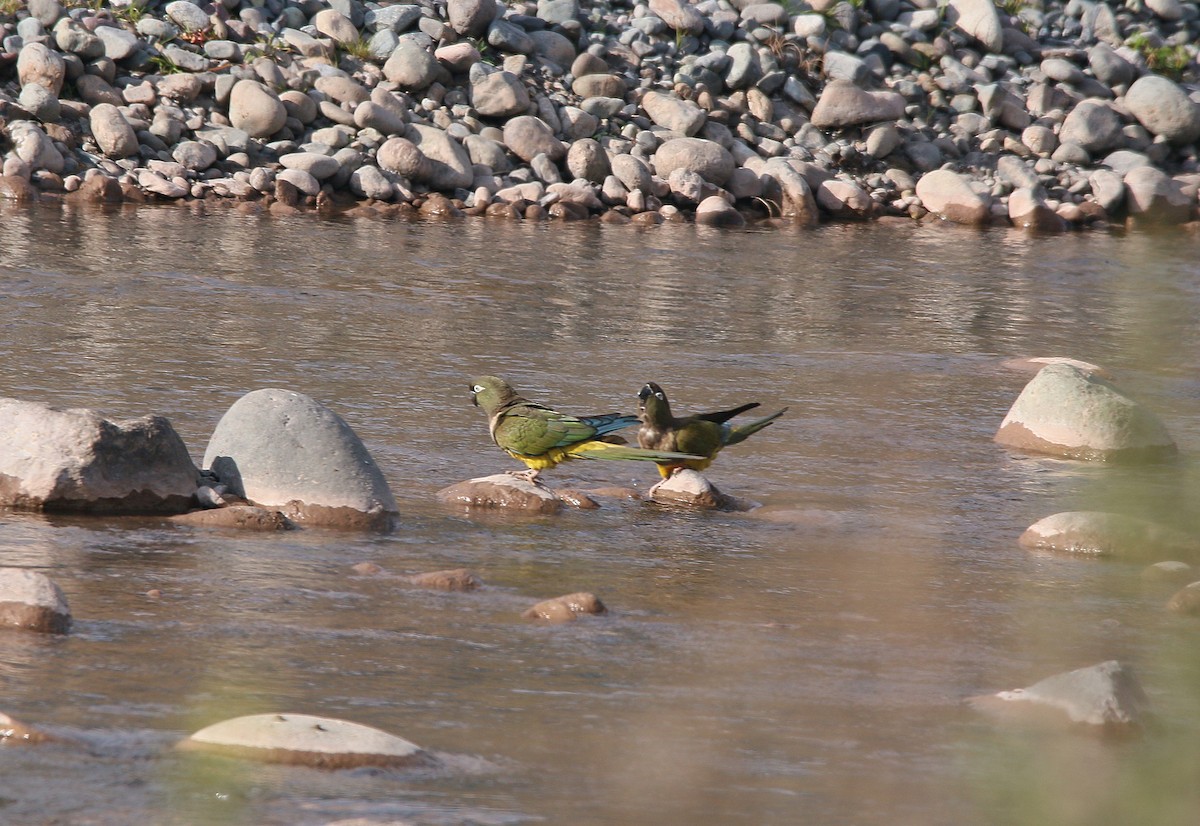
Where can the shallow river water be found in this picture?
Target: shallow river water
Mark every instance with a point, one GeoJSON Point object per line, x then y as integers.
{"type": "Point", "coordinates": [805, 664]}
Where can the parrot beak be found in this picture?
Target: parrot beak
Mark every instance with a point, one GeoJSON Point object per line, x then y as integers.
{"type": "Point", "coordinates": [644, 392]}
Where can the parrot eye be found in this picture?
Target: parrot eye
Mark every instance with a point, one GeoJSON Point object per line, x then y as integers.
{"type": "Point", "coordinates": [477, 388]}
{"type": "Point", "coordinates": [660, 396]}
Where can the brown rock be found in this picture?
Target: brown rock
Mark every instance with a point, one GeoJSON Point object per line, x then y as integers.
{"type": "Point", "coordinates": [566, 608]}
{"type": "Point", "coordinates": [242, 517]}
{"type": "Point", "coordinates": [1186, 601]}
{"type": "Point", "coordinates": [502, 491]}
{"type": "Point", "coordinates": [367, 569]}
{"type": "Point", "coordinates": [15, 733]}
{"type": "Point", "coordinates": [691, 489]}
{"type": "Point", "coordinates": [456, 579]}
{"type": "Point", "coordinates": [577, 499]}
{"type": "Point", "coordinates": [30, 601]}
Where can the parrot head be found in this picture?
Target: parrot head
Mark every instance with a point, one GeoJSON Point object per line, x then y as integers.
{"type": "Point", "coordinates": [652, 403]}
{"type": "Point", "coordinates": [491, 393]}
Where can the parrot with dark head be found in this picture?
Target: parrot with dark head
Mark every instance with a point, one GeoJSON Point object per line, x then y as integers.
{"type": "Point", "coordinates": [703, 434]}
{"type": "Point", "coordinates": [542, 437]}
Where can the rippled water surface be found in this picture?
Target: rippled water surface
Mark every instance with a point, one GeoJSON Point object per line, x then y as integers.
{"type": "Point", "coordinates": [806, 664]}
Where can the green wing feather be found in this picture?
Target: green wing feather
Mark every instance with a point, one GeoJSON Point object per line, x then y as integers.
{"type": "Point", "coordinates": [531, 429]}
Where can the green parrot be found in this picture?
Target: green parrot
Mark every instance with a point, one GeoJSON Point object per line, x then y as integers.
{"type": "Point", "coordinates": [703, 433]}
{"type": "Point", "coordinates": [541, 437]}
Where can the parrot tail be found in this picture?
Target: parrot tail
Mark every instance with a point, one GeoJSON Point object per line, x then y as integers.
{"type": "Point", "coordinates": [742, 432]}
{"type": "Point", "coordinates": [595, 449]}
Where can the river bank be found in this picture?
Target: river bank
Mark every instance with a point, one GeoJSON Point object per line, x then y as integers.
{"type": "Point", "coordinates": [1047, 115]}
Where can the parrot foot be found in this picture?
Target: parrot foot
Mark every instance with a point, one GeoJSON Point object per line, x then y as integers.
{"type": "Point", "coordinates": [530, 475]}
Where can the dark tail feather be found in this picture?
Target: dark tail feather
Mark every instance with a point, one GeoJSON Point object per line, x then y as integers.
{"type": "Point", "coordinates": [722, 416]}
{"type": "Point", "coordinates": [742, 432]}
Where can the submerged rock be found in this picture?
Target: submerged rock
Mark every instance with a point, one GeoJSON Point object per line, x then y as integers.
{"type": "Point", "coordinates": [1064, 411]}
{"type": "Point", "coordinates": [1186, 600]}
{"type": "Point", "coordinates": [242, 517]}
{"type": "Point", "coordinates": [1096, 533]}
{"type": "Point", "coordinates": [78, 461]}
{"type": "Point", "coordinates": [566, 608]}
{"type": "Point", "coordinates": [31, 601]}
{"type": "Point", "coordinates": [305, 740]}
{"type": "Point", "coordinates": [13, 732]}
{"type": "Point", "coordinates": [280, 449]}
{"type": "Point", "coordinates": [1106, 695]}
{"type": "Point", "coordinates": [456, 579]}
{"type": "Point", "coordinates": [504, 491]}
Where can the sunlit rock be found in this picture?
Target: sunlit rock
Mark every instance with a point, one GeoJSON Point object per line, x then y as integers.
{"type": "Point", "coordinates": [1186, 600]}
{"type": "Point", "coordinates": [1064, 411]}
{"type": "Point", "coordinates": [1035, 363]}
{"type": "Point", "coordinates": [241, 517]}
{"type": "Point", "coordinates": [456, 579]}
{"type": "Point", "coordinates": [283, 450]}
{"type": "Point", "coordinates": [692, 489]}
{"type": "Point", "coordinates": [16, 733]}
{"type": "Point", "coordinates": [31, 601]}
{"type": "Point", "coordinates": [302, 739]}
{"type": "Point", "coordinates": [76, 460]}
{"type": "Point", "coordinates": [1107, 695]}
{"type": "Point", "coordinates": [576, 499]}
{"type": "Point", "coordinates": [1100, 534]}
{"type": "Point", "coordinates": [566, 608]}
{"type": "Point", "coordinates": [504, 491]}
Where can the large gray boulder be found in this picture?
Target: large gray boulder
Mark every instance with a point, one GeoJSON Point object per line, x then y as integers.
{"type": "Point", "coordinates": [1164, 108]}
{"type": "Point", "coordinates": [76, 460]}
{"type": "Point", "coordinates": [1064, 411]}
{"type": "Point", "coordinates": [1107, 694]}
{"type": "Point", "coordinates": [284, 450]}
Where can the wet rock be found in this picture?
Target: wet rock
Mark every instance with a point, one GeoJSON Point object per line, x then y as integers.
{"type": "Point", "coordinates": [1028, 209]}
{"type": "Point", "coordinates": [1106, 695]}
{"type": "Point", "coordinates": [576, 499]}
{"type": "Point", "coordinates": [31, 601]}
{"type": "Point", "coordinates": [716, 211]}
{"type": "Point", "coordinates": [1151, 195]}
{"type": "Point", "coordinates": [367, 568]}
{"type": "Point", "coordinates": [1186, 600]}
{"type": "Point", "coordinates": [844, 199]}
{"type": "Point", "coordinates": [844, 104]}
{"type": "Point", "coordinates": [239, 517]}
{"type": "Point", "coordinates": [76, 460]}
{"type": "Point", "coordinates": [14, 188]}
{"type": "Point", "coordinates": [566, 608]}
{"type": "Point", "coordinates": [1034, 364]}
{"type": "Point", "coordinates": [1168, 571]}
{"type": "Point", "coordinates": [1064, 411]}
{"type": "Point", "coordinates": [457, 579]}
{"type": "Point", "coordinates": [284, 450]}
{"type": "Point", "coordinates": [306, 740]}
{"type": "Point", "coordinates": [1101, 534]}
{"type": "Point", "coordinates": [950, 196]}
{"type": "Point", "coordinates": [502, 491]}
{"type": "Point", "coordinates": [13, 732]}
{"type": "Point", "coordinates": [692, 489]}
